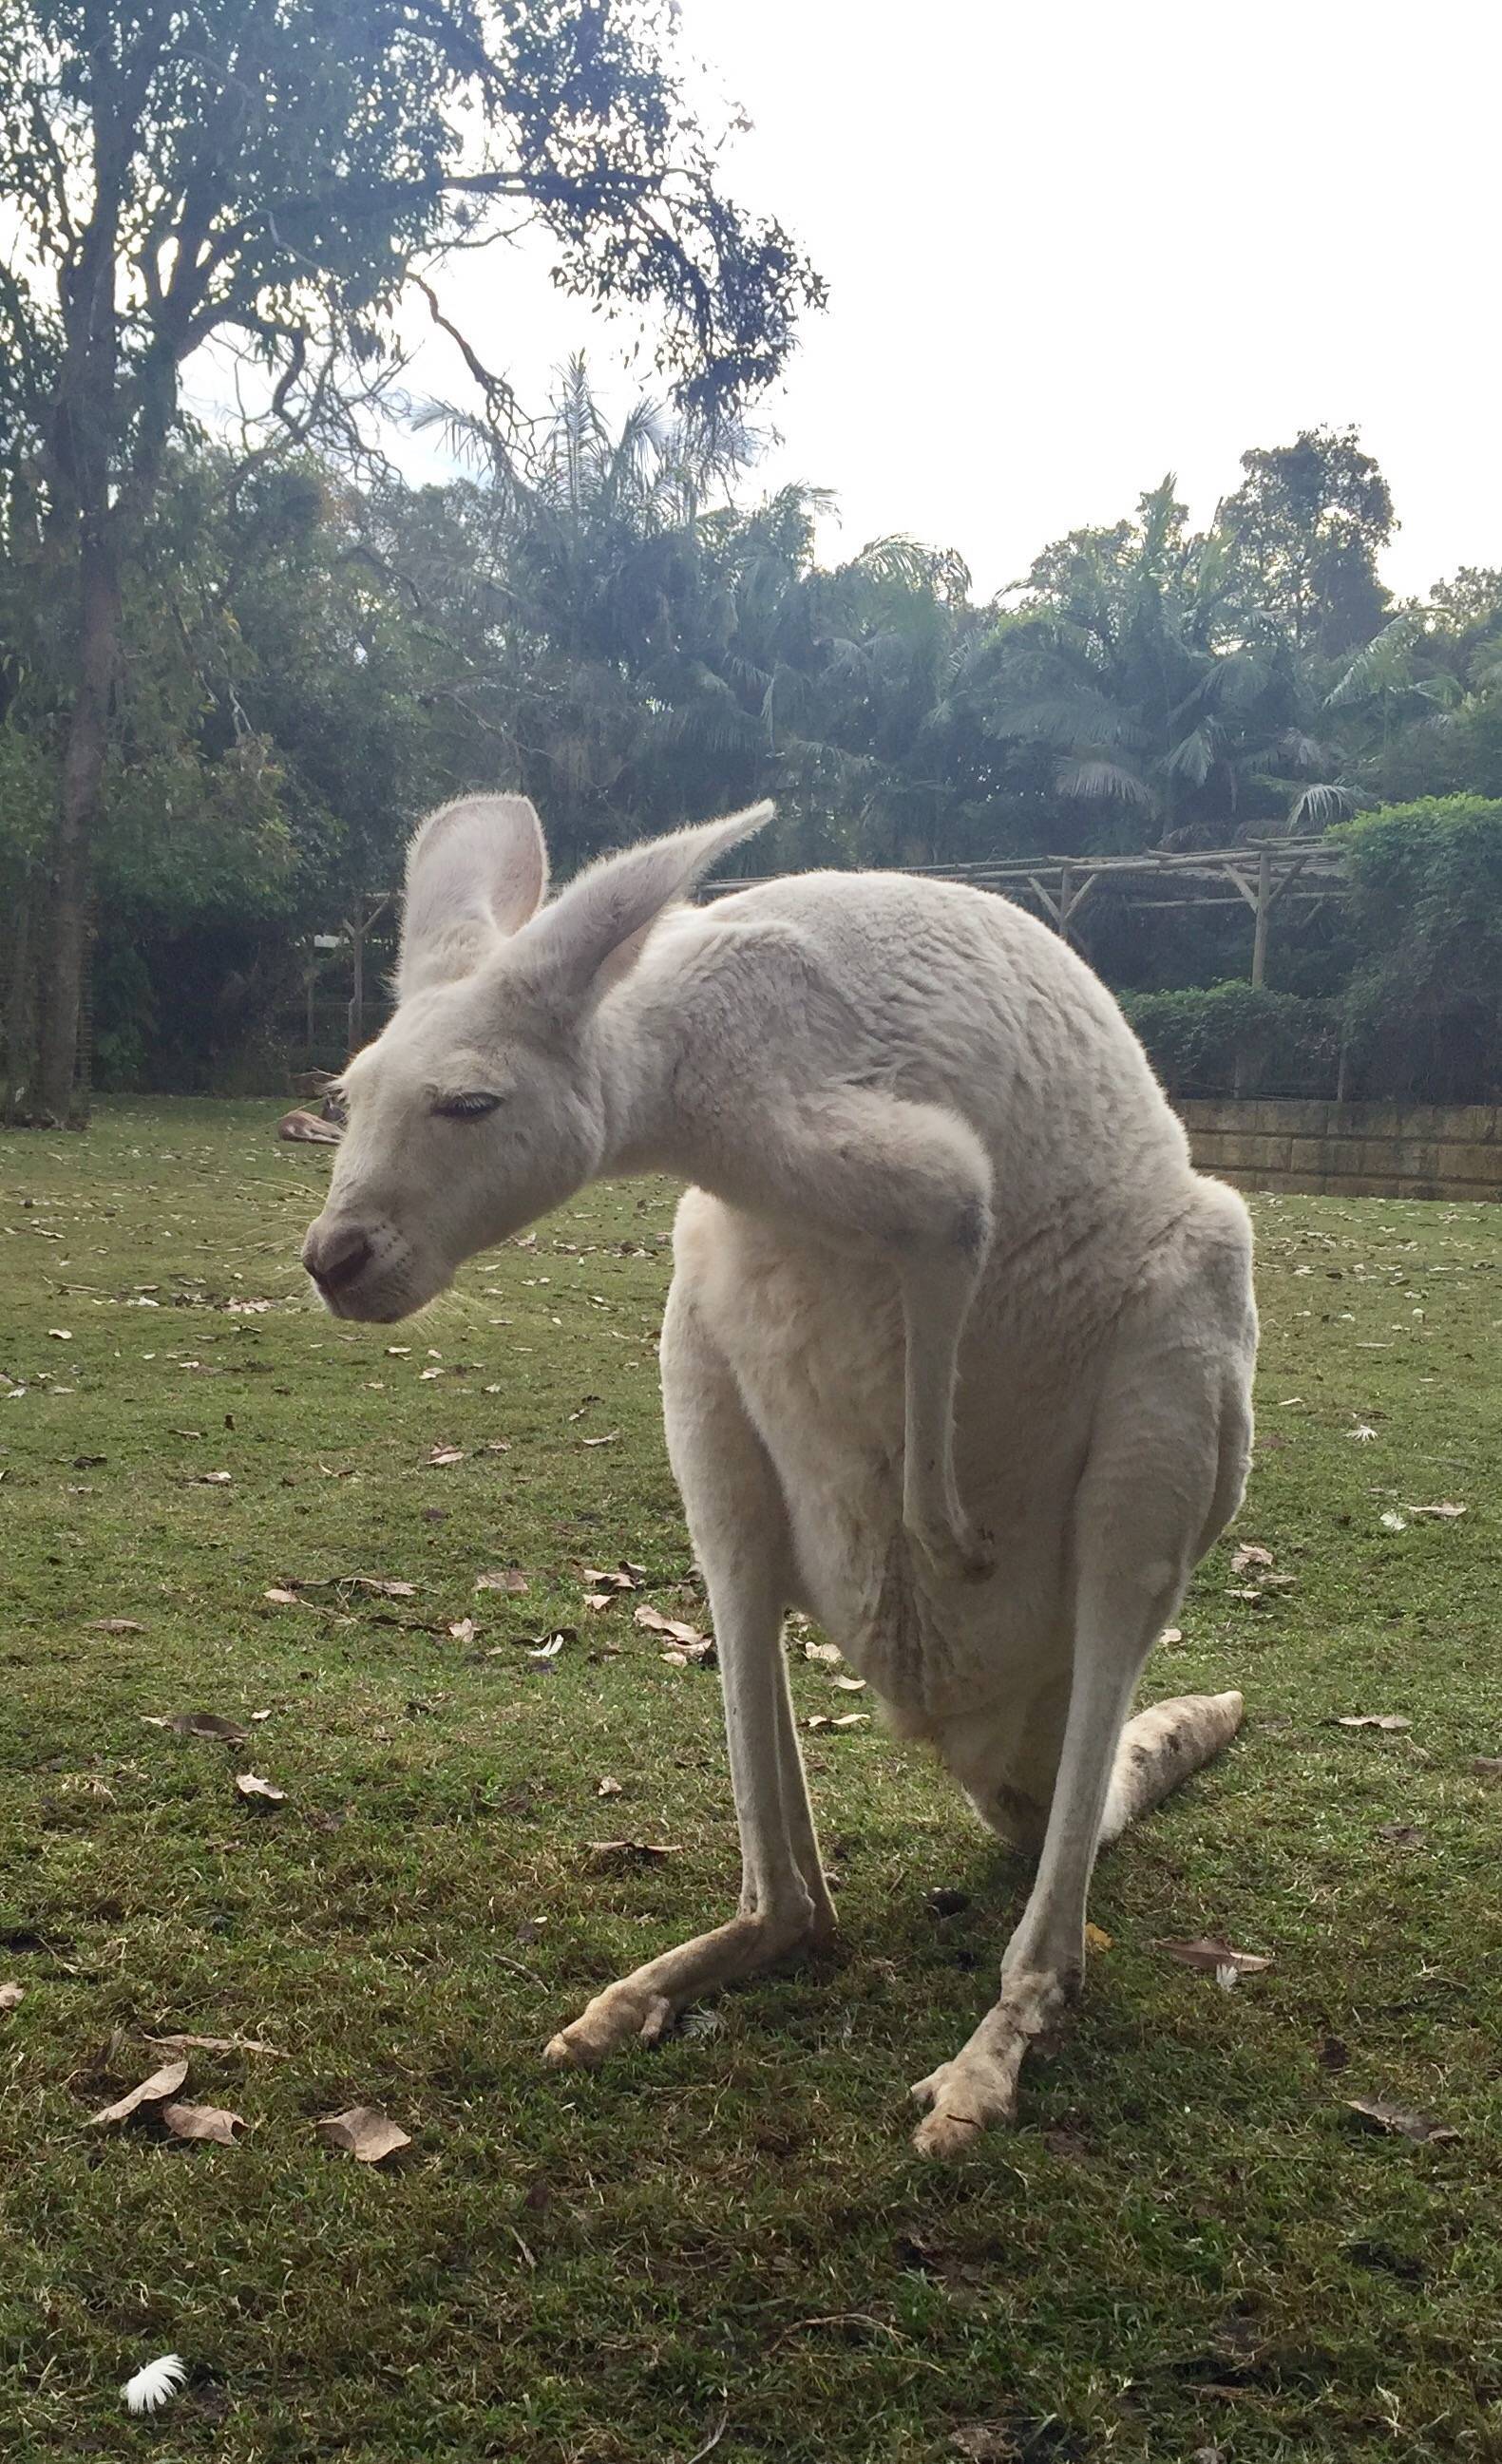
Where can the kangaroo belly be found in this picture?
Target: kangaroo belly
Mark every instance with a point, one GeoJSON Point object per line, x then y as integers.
{"type": "Point", "coordinates": [815, 1337]}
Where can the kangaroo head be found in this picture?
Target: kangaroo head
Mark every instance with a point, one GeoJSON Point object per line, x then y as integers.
{"type": "Point", "coordinates": [480, 1105]}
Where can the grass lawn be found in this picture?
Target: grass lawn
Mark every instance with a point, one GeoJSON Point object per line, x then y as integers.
{"type": "Point", "coordinates": [1189, 2247]}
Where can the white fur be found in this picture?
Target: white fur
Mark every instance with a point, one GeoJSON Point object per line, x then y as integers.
{"type": "Point", "coordinates": [959, 1350]}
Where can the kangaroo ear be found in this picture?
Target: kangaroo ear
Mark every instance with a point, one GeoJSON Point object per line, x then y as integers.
{"type": "Point", "coordinates": [476, 871]}
{"type": "Point", "coordinates": [593, 934]}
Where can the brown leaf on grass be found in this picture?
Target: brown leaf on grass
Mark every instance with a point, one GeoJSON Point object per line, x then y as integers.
{"type": "Point", "coordinates": [210, 1480]}
{"type": "Point", "coordinates": [11, 1995]}
{"type": "Point", "coordinates": [199, 1723]}
{"type": "Point", "coordinates": [608, 1439]}
{"type": "Point", "coordinates": [1396, 2120]}
{"type": "Point", "coordinates": [600, 1599]}
{"type": "Point", "coordinates": [850, 1720]}
{"type": "Point", "coordinates": [463, 1630]}
{"type": "Point", "coordinates": [849, 1685]}
{"type": "Point", "coordinates": [207, 2121]}
{"type": "Point", "coordinates": [442, 1454]}
{"type": "Point", "coordinates": [159, 2089]}
{"type": "Point", "coordinates": [621, 1579]}
{"type": "Point", "coordinates": [826, 1654]}
{"type": "Point", "coordinates": [503, 1578]}
{"type": "Point", "coordinates": [1445, 1512]}
{"type": "Point", "coordinates": [385, 1586]}
{"type": "Point", "coordinates": [1487, 1767]}
{"type": "Point", "coordinates": [1249, 1555]}
{"type": "Point", "coordinates": [1388, 1720]}
{"type": "Point", "coordinates": [607, 1787]}
{"type": "Point", "coordinates": [282, 1599]}
{"type": "Point", "coordinates": [655, 1622]}
{"type": "Point", "coordinates": [364, 2132]}
{"type": "Point", "coordinates": [605, 1856]}
{"type": "Point", "coordinates": [113, 1625]}
{"type": "Point", "coordinates": [986, 2442]}
{"type": "Point", "coordinates": [180, 2044]}
{"type": "Point", "coordinates": [1209, 1953]}
{"type": "Point", "coordinates": [260, 1790]}
{"type": "Point", "coordinates": [1399, 1835]}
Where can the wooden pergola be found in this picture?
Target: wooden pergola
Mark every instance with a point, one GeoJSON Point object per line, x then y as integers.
{"type": "Point", "coordinates": [1261, 873]}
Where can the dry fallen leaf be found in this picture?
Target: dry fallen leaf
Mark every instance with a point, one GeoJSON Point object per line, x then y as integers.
{"type": "Point", "coordinates": [985, 2442]}
{"type": "Point", "coordinates": [388, 1589]}
{"type": "Point", "coordinates": [180, 2044]}
{"type": "Point", "coordinates": [1399, 1835]}
{"type": "Point", "coordinates": [363, 2132]}
{"type": "Point", "coordinates": [282, 1598]}
{"type": "Point", "coordinates": [1097, 1939]}
{"type": "Point", "coordinates": [655, 1622]}
{"type": "Point", "coordinates": [1445, 1511]}
{"type": "Point", "coordinates": [159, 2089]}
{"type": "Point", "coordinates": [247, 1783]}
{"type": "Point", "coordinates": [605, 1853]}
{"type": "Point", "coordinates": [1389, 1720]}
{"type": "Point", "coordinates": [624, 1578]}
{"type": "Point", "coordinates": [601, 1787]}
{"type": "Point", "coordinates": [463, 1630]}
{"type": "Point", "coordinates": [600, 1599]}
{"type": "Point", "coordinates": [208, 2121]}
{"type": "Point", "coordinates": [1208, 1953]}
{"type": "Point", "coordinates": [503, 1578]}
{"type": "Point", "coordinates": [113, 1625]}
{"type": "Point", "coordinates": [608, 1439]}
{"type": "Point", "coordinates": [1487, 1767]}
{"type": "Point", "coordinates": [446, 1454]}
{"type": "Point", "coordinates": [1397, 2120]}
{"type": "Point", "coordinates": [827, 1654]}
{"type": "Point", "coordinates": [211, 1479]}
{"type": "Point", "coordinates": [849, 1685]}
{"type": "Point", "coordinates": [11, 1995]}
{"type": "Point", "coordinates": [1251, 1554]}
{"type": "Point", "coordinates": [199, 1723]}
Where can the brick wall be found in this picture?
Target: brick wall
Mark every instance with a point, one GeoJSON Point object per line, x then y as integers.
{"type": "Point", "coordinates": [1349, 1149]}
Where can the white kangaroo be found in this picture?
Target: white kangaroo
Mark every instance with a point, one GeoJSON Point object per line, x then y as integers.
{"type": "Point", "coordinates": [957, 1354]}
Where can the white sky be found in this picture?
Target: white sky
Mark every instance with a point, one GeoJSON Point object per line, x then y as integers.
{"type": "Point", "coordinates": [1072, 247]}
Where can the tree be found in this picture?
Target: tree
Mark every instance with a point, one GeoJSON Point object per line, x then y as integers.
{"type": "Point", "coordinates": [275, 174]}
{"type": "Point", "coordinates": [1307, 525]}
{"type": "Point", "coordinates": [1167, 705]}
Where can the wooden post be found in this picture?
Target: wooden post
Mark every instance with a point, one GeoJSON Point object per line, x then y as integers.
{"type": "Point", "coordinates": [356, 1007]}
{"type": "Point", "coordinates": [1259, 945]}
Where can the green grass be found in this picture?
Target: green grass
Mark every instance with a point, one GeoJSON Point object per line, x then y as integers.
{"type": "Point", "coordinates": [1188, 2242]}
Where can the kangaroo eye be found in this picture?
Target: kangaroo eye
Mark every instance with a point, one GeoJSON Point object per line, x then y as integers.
{"type": "Point", "coordinates": [466, 1108]}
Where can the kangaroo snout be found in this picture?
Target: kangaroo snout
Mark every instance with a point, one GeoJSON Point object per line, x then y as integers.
{"type": "Point", "coordinates": [336, 1255]}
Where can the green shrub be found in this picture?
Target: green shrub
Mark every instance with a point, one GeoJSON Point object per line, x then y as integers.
{"type": "Point", "coordinates": [1237, 1038]}
{"type": "Point", "coordinates": [1422, 1013]}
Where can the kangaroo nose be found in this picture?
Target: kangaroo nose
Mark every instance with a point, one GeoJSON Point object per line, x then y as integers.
{"type": "Point", "coordinates": [336, 1257]}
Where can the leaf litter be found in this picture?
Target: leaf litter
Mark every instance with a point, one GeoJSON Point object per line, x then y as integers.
{"type": "Point", "coordinates": [364, 2132]}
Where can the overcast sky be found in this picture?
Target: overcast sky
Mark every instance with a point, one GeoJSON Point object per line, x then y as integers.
{"type": "Point", "coordinates": [1072, 248]}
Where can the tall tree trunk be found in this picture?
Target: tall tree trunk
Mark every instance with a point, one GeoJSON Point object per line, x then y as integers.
{"type": "Point", "coordinates": [59, 1096]}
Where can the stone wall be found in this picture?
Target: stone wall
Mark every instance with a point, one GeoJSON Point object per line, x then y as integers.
{"type": "Point", "coordinates": [1333, 1150]}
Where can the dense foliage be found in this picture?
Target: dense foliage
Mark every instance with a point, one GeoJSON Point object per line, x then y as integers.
{"type": "Point", "coordinates": [611, 618]}
{"type": "Point", "coordinates": [277, 181]}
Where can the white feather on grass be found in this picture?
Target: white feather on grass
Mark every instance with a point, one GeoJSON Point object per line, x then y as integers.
{"type": "Point", "coordinates": [156, 2384]}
